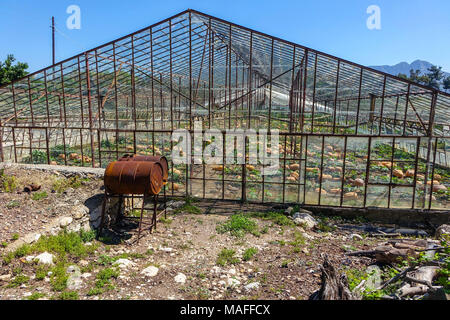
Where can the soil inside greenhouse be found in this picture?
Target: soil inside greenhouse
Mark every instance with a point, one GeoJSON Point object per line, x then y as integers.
{"type": "Point", "coordinates": [189, 255]}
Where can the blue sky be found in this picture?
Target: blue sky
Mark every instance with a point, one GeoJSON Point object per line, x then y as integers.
{"type": "Point", "coordinates": [410, 30]}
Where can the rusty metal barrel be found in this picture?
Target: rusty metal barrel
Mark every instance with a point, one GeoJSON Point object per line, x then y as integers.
{"type": "Point", "coordinates": [160, 159]}
{"type": "Point", "coordinates": [134, 177]}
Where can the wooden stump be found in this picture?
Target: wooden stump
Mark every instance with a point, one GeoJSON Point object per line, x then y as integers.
{"type": "Point", "coordinates": [333, 287]}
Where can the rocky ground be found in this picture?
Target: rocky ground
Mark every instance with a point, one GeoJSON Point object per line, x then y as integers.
{"type": "Point", "coordinates": [201, 250]}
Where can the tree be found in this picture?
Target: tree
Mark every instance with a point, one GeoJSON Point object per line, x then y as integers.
{"type": "Point", "coordinates": [435, 76]}
{"type": "Point", "coordinates": [446, 83]}
{"type": "Point", "coordinates": [10, 72]}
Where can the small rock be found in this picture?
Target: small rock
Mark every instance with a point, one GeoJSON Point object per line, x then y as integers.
{"type": "Point", "coordinates": [289, 210]}
{"type": "Point", "coordinates": [150, 271]}
{"type": "Point", "coordinates": [231, 282]}
{"type": "Point", "coordinates": [305, 220]}
{"type": "Point", "coordinates": [80, 211]}
{"type": "Point", "coordinates": [180, 278]}
{"type": "Point", "coordinates": [232, 271]}
{"type": "Point", "coordinates": [374, 278]}
{"type": "Point", "coordinates": [83, 263]}
{"type": "Point", "coordinates": [74, 282]}
{"type": "Point", "coordinates": [251, 286]}
{"type": "Point", "coordinates": [31, 238]}
{"type": "Point", "coordinates": [5, 277]}
{"type": "Point", "coordinates": [65, 221]}
{"type": "Point", "coordinates": [124, 263]}
{"type": "Point", "coordinates": [45, 258]}
{"type": "Point", "coordinates": [74, 227]}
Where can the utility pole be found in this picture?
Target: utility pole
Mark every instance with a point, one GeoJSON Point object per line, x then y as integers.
{"type": "Point", "coordinates": [53, 40]}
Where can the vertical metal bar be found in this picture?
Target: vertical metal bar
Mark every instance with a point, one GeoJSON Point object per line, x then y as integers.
{"type": "Point", "coordinates": [359, 101]}
{"type": "Point", "coordinates": [306, 159]}
{"type": "Point", "coordinates": [391, 172]}
{"type": "Point", "coordinates": [31, 101]}
{"type": "Point", "coordinates": [46, 98]}
{"type": "Point", "coordinates": [91, 132]}
{"type": "Point", "coordinates": [382, 105]}
{"type": "Point", "coordinates": [250, 81]}
{"type": "Point", "coordinates": [229, 78]}
{"type": "Point", "coordinates": [14, 144]}
{"type": "Point", "coordinates": [99, 99]}
{"type": "Point", "coordinates": [116, 101]}
{"type": "Point", "coordinates": [395, 116]}
{"type": "Point", "coordinates": [63, 95]}
{"type": "Point", "coordinates": [80, 92]}
{"type": "Point", "coordinates": [133, 86]}
{"type": "Point", "coordinates": [343, 171]}
{"type": "Point", "coordinates": [190, 72]}
{"type": "Point", "coordinates": [366, 180]}
{"type": "Point", "coordinates": [47, 147]}
{"type": "Point", "coordinates": [271, 85]}
{"type": "Point", "coordinates": [14, 103]}
{"type": "Point", "coordinates": [336, 96]}
{"type": "Point", "coordinates": [416, 162]}
{"type": "Point", "coordinates": [153, 77]}
{"type": "Point", "coordinates": [321, 169]}
{"type": "Point", "coordinates": [284, 168]}
{"type": "Point", "coordinates": [429, 145]}
{"type": "Point", "coordinates": [432, 173]}
{"type": "Point", "coordinates": [314, 94]}
{"type": "Point", "coordinates": [171, 74]}
{"type": "Point", "coordinates": [406, 109]}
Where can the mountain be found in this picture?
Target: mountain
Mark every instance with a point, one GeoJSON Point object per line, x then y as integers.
{"type": "Point", "coordinates": [404, 67]}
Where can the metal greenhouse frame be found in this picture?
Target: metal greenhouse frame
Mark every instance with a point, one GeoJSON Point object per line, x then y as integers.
{"type": "Point", "coordinates": [350, 136]}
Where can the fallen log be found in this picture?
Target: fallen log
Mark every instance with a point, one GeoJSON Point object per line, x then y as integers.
{"type": "Point", "coordinates": [420, 282]}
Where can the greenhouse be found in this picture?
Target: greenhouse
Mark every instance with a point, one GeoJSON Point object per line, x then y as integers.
{"type": "Point", "coordinates": [349, 136]}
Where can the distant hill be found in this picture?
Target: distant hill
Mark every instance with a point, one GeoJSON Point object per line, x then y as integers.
{"type": "Point", "coordinates": [404, 67]}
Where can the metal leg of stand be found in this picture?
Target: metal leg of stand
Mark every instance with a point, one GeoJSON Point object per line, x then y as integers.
{"type": "Point", "coordinates": [155, 209]}
{"type": "Point", "coordinates": [140, 219]}
{"type": "Point", "coordinates": [165, 203]}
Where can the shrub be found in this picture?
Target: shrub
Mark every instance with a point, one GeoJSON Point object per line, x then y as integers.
{"type": "Point", "coordinates": [39, 196]}
{"type": "Point", "coordinates": [104, 280]}
{"type": "Point", "coordinates": [37, 157]}
{"type": "Point", "coordinates": [58, 279]}
{"type": "Point", "coordinates": [64, 243]}
{"type": "Point", "coordinates": [18, 281]}
{"type": "Point", "coordinates": [36, 296]}
{"type": "Point", "coordinates": [226, 256]}
{"type": "Point", "coordinates": [277, 217]}
{"type": "Point", "coordinates": [62, 184]}
{"type": "Point", "coordinates": [68, 295]}
{"type": "Point", "coordinates": [238, 225]}
{"type": "Point", "coordinates": [13, 204]}
{"type": "Point", "coordinates": [249, 253]}
{"type": "Point", "coordinates": [8, 183]}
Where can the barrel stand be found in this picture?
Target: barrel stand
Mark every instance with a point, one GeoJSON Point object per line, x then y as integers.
{"type": "Point", "coordinates": [151, 224]}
